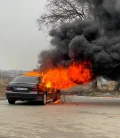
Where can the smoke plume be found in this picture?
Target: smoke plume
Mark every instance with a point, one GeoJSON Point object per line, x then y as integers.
{"type": "Point", "coordinates": [97, 40]}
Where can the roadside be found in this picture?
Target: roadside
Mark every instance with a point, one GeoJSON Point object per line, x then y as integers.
{"type": "Point", "coordinates": [78, 90]}
{"type": "Point", "coordinates": [93, 93]}
{"type": "Point", "coordinates": [86, 90]}
{"type": "Point", "coordinates": [2, 93]}
{"type": "Point", "coordinates": [3, 84]}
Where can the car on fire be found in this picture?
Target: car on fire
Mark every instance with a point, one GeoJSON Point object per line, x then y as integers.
{"type": "Point", "coordinates": [26, 88]}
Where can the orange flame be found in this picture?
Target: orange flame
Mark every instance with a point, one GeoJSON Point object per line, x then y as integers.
{"type": "Point", "coordinates": [62, 78]}
{"type": "Point", "coordinates": [58, 101]}
{"type": "Point", "coordinates": [32, 73]}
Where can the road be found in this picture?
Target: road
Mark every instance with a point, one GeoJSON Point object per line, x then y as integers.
{"type": "Point", "coordinates": [84, 117]}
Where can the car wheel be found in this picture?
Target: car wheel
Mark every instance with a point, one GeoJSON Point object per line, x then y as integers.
{"type": "Point", "coordinates": [44, 99]}
{"type": "Point", "coordinates": [11, 101]}
{"type": "Point", "coordinates": [57, 97]}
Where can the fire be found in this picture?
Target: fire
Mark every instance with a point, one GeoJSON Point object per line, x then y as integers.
{"type": "Point", "coordinates": [48, 85]}
{"type": "Point", "coordinates": [59, 78]}
{"type": "Point", "coordinates": [62, 78]}
{"type": "Point", "coordinates": [58, 101]}
{"type": "Point", "coordinates": [81, 73]}
{"type": "Point", "coordinates": [32, 73]}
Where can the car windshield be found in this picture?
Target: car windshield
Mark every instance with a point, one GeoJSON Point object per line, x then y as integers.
{"type": "Point", "coordinates": [26, 79]}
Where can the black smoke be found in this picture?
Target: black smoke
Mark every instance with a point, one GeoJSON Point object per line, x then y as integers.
{"type": "Point", "coordinates": [96, 40]}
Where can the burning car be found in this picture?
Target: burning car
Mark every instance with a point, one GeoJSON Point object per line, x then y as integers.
{"type": "Point", "coordinates": [30, 88]}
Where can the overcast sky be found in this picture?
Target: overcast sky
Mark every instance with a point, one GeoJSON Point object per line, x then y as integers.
{"type": "Point", "coordinates": [20, 40]}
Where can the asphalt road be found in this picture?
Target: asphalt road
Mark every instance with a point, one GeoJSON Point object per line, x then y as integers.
{"type": "Point", "coordinates": [84, 117]}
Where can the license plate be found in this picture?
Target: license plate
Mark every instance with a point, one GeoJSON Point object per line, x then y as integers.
{"type": "Point", "coordinates": [22, 89]}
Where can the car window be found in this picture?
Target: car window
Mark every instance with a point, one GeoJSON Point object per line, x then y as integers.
{"type": "Point", "coordinates": [26, 79]}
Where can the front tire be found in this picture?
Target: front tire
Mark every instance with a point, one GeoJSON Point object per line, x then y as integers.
{"type": "Point", "coordinates": [44, 99]}
{"type": "Point", "coordinates": [11, 101]}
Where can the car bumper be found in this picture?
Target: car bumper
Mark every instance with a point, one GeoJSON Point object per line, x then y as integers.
{"type": "Point", "coordinates": [23, 96]}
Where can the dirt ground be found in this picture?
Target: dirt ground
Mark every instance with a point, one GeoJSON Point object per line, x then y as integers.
{"type": "Point", "coordinates": [2, 91]}
{"type": "Point", "coordinates": [83, 117]}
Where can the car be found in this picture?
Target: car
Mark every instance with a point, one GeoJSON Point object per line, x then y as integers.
{"type": "Point", "coordinates": [26, 88]}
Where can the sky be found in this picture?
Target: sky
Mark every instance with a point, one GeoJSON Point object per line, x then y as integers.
{"type": "Point", "coordinates": [20, 38]}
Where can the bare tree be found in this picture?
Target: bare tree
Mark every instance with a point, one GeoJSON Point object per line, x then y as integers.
{"type": "Point", "coordinates": [59, 11]}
